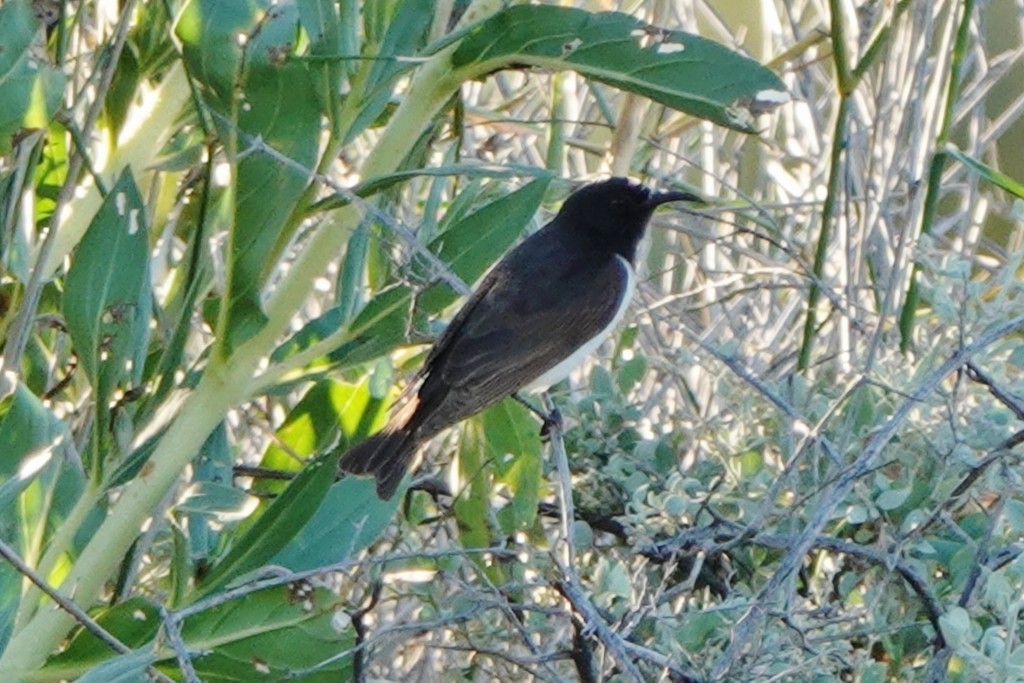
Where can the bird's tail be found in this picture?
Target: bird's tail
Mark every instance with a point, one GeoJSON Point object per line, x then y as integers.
{"type": "Point", "coordinates": [386, 456]}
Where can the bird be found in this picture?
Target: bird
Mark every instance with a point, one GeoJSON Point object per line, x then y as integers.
{"type": "Point", "coordinates": [534, 317]}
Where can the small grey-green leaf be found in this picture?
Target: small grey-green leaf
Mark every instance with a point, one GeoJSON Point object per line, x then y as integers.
{"type": "Point", "coordinates": [892, 498]}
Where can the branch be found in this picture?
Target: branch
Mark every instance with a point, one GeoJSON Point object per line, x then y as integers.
{"type": "Point", "coordinates": [621, 650]}
{"type": "Point", "coordinates": [836, 492]}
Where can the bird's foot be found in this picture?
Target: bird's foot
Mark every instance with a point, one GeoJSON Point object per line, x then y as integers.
{"type": "Point", "coordinates": [552, 421]}
{"type": "Point", "coordinates": [549, 421]}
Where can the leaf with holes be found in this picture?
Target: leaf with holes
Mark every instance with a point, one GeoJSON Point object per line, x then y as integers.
{"type": "Point", "coordinates": [680, 70]}
{"type": "Point", "coordinates": [108, 294]}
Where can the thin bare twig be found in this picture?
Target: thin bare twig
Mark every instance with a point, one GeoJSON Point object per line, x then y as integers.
{"type": "Point", "coordinates": [174, 639]}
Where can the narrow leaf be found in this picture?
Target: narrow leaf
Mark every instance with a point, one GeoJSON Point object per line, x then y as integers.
{"type": "Point", "coordinates": [997, 178]}
{"type": "Point", "coordinates": [277, 526]}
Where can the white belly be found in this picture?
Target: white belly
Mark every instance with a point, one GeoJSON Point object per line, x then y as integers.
{"type": "Point", "coordinates": [562, 370]}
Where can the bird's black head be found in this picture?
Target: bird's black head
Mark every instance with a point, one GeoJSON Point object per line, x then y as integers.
{"type": "Point", "coordinates": [613, 214]}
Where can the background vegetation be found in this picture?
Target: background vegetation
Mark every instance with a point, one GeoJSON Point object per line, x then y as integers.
{"type": "Point", "coordinates": [228, 228]}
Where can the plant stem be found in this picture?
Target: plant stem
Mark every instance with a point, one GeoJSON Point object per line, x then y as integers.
{"type": "Point", "coordinates": [931, 199]}
{"type": "Point", "coordinates": [827, 215]}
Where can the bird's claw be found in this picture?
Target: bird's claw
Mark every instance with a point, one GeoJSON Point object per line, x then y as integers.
{"type": "Point", "coordinates": [552, 421]}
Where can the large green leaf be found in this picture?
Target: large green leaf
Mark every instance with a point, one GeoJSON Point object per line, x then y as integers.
{"type": "Point", "coordinates": [134, 622]}
{"type": "Point", "coordinates": [239, 53]}
{"type": "Point", "coordinates": [350, 515]}
{"type": "Point", "coordinates": [30, 86]}
{"type": "Point", "coordinates": [677, 69]}
{"type": "Point", "coordinates": [269, 636]}
{"type": "Point", "coordinates": [350, 518]}
{"type": "Point", "coordinates": [108, 296]}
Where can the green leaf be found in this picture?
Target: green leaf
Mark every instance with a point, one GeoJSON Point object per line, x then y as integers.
{"type": "Point", "coordinates": [320, 20]}
{"type": "Point", "coordinates": [37, 485]}
{"type": "Point", "coordinates": [264, 635]}
{"type": "Point", "coordinates": [30, 86]}
{"type": "Point", "coordinates": [277, 526]}
{"type": "Point", "coordinates": [512, 442]}
{"type": "Point", "coordinates": [268, 636]}
{"type": "Point", "coordinates": [314, 421]}
{"type": "Point", "coordinates": [696, 629]}
{"type": "Point", "coordinates": [997, 178]}
{"type": "Point", "coordinates": [956, 626]}
{"type": "Point", "coordinates": [407, 32]}
{"type": "Point", "coordinates": [472, 507]}
{"type": "Point", "coordinates": [677, 69]}
{"type": "Point", "coordinates": [239, 54]}
{"type": "Point", "coordinates": [27, 427]}
{"type": "Point", "coordinates": [601, 383]}
{"type": "Point", "coordinates": [134, 622]}
{"type": "Point", "coordinates": [891, 499]}
{"type": "Point", "coordinates": [108, 296]}
{"type": "Point", "coordinates": [381, 326]}
{"type": "Point", "coordinates": [630, 372]}
{"type": "Point", "coordinates": [226, 503]}
{"type": "Point", "coordinates": [350, 518]}
{"type": "Point", "coordinates": [127, 668]}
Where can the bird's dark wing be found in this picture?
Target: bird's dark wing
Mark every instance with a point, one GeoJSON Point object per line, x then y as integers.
{"type": "Point", "coordinates": [515, 326]}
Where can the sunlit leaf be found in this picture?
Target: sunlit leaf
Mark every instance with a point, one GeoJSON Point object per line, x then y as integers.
{"type": "Point", "coordinates": [997, 178]}
{"type": "Point", "coordinates": [30, 86]}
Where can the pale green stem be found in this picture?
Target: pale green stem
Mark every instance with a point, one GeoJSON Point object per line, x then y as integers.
{"type": "Point", "coordinates": [146, 130]}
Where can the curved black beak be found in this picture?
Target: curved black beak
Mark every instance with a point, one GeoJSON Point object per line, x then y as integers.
{"type": "Point", "coordinates": [658, 198]}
